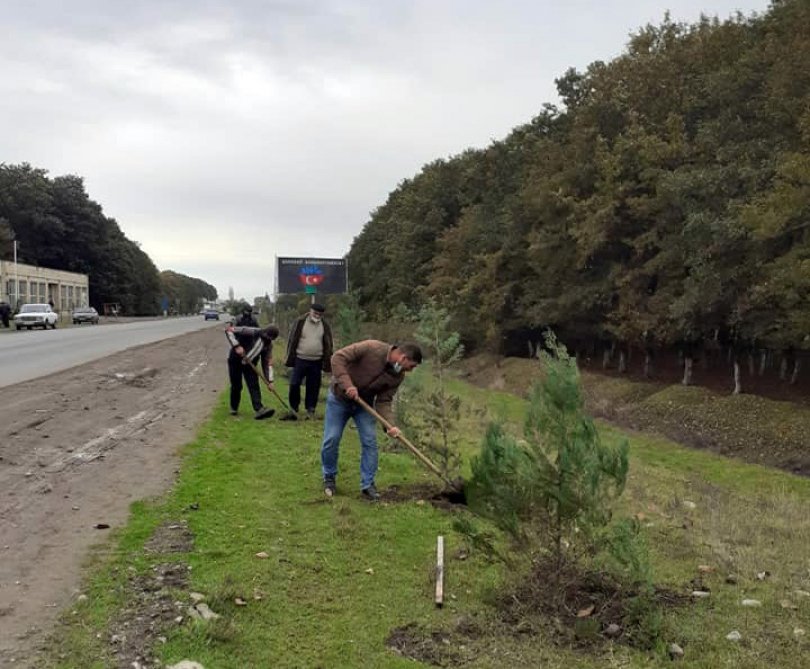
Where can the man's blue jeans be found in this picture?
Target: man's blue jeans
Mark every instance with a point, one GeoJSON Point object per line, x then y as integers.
{"type": "Point", "coordinates": [338, 413]}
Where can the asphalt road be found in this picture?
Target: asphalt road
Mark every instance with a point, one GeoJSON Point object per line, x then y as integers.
{"type": "Point", "coordinates": [28, 355]}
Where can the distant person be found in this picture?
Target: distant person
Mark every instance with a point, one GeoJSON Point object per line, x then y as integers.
{"type": "Point", "coordinates": [309, 352]}
{"type": "Point", "coordinates": [50, 303]}
{"type": "Point", "coordinates": [246, 319]}
{"type": "Point", "coordinates": [249, 344]}
{"type": "Point", "coordinates": [5, 314]}
{"type": "Point", "coordinates": [372, 370]}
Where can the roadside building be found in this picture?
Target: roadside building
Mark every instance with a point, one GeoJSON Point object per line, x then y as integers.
{"type": "Point", "coordinates": [67, 290]}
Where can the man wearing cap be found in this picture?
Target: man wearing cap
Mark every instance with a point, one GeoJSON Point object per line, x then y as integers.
{"type": "Point", "coordinates": [247, 319]}
{"type": "Point", "coordinates": [309, 352]}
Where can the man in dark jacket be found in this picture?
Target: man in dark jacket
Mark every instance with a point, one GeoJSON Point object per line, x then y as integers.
{"type": "Point", "coordinates": [5, 314]}
{"type": "Point", "coordinates": [249, 344]}
{"type": "Point", "coordinates": [246, 318]}
{"type": "Point", "coordinates": [309, 352]}
{"type": "Point", "coordinates": [372, 370]}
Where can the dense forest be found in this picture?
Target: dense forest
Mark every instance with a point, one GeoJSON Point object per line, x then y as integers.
{"type": "Point", "coordinates": [57, 225]}
{"type": "Point", "coordinates": [664, 206]}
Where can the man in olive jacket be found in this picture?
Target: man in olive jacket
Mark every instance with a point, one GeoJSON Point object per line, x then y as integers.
{"type": "Point", "coordinates": [371, 370]}
{"type": "Point", "coordinates": [309, 351]}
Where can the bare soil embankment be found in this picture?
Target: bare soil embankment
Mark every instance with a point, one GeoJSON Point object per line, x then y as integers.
{"type": "Point", "coordinates": [749, 427]}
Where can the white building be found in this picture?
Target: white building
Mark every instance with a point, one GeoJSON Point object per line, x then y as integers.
{"type": "Point", "coordinates": [66, 290]}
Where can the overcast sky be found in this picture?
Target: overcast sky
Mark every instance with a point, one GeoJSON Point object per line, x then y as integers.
{"type": "Point", "coordinates": [221, 134]}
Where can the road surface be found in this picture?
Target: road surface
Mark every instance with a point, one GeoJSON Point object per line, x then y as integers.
{"type": "Point", "coordinates": [28, 354]}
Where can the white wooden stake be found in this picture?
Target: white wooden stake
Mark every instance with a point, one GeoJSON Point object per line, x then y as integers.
{"type": "Point", "coordinates": [440, 571]}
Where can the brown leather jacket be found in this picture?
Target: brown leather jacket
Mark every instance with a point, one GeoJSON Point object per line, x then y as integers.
{"type": "Point", "coordinates": [365, 366]}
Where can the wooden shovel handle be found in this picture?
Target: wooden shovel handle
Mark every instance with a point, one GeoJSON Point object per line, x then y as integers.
{"type": "Point", "coordinates": [421, 456]}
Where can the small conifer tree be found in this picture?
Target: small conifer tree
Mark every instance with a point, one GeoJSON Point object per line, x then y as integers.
{"type": "Point", "coordinates": [552, 491]}
{"type": "Point", "coordinates": [427, 408]}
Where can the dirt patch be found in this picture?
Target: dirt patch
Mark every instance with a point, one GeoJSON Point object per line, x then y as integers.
{"type": "Point", "coordinates": [78, 447]}
{"type": "Point", "coordinates": [446, 498]}
{"type": "Point", "coordinates": [155, 606]}
{"type": "Point", "coordinates": [586, 609]}
{"type": "Point", "coordinates": [438, 648]}
{"type": "Point", "coordinates": [170, 537]}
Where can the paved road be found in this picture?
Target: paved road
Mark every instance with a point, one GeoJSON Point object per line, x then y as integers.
{"type": "Point", "coordinates": [28, 355]}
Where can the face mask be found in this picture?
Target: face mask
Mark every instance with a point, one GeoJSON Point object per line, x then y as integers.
{"type": "Point", "coordinates": [397, 367]}
{"type": "Point", "coordinates": [315, 319]}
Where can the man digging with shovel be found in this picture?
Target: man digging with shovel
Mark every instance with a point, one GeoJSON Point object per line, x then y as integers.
{"type": "Point", "coordinates": [372, 371]}
{"type": "Point", "coordinates": [249, 344]}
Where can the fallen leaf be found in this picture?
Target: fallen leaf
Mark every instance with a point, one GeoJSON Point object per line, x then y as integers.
{"type": "Point", "coordinates": [584, 613]}
{"type": "Point", "coordinates": [370, 571]}
{"type": "Point", "coordinates": [240, 602]}
{"type": "Point", "coordinates": [262, 555]}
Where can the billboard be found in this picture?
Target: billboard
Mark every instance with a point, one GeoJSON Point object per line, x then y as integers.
{"type": "Point", "coordinates": [311, 275]}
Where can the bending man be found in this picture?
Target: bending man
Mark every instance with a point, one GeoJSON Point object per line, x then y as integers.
{"type": "Point", "coordinates": [372, 370]}
{"type": "Point", "coordinates": [249, 344]}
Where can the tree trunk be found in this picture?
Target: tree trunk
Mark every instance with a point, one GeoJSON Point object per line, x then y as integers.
{"type": "Point", "coordinates": [737, 377]}
{"type": "Point", "coordinates": [751, 364]}
{"type": "Point", "coordinates": [606, 358]}
{"type": "Point", "coordinates": [647, 365]}
{"type": "Point", "coordinates": [763, 362]}
{"type": "Point", "coordinates": [795, 376]}
{"type": "Point", "coordinates": [531, 348]}
{"type": "Point", "coordinates": [783, 367]}
{"type": "Point", "coordinates": [687, 370]}
{"type": "Point", "coordinates": [622, 362]}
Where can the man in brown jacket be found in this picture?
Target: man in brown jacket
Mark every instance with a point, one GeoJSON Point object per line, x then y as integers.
{"type": "Point", "coordinates": [372, 370]}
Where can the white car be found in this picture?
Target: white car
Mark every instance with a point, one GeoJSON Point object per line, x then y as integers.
{"type": "Point", "coordinates": [36, 315]}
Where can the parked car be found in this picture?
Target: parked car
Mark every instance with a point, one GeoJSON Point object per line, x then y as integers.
{"type": "Point", "coordinates": [36, 316]}
{"type": "Point", "coordinates": [85, 315]}
{"type": "Point", "coordinates": [211, 315]}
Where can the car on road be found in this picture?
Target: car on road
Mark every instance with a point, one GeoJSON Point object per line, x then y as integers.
{"type": "Point", "coordinates": [36, 316]}
{"type": "Point", "coordinates": [85, 315]}
{"type": "Point", "coordinates": [211, 315]}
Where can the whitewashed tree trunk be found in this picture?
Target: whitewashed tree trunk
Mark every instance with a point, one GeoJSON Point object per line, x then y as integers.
{"type": "Point", "coordinates": [622, 362]}
{"type": "Point", "coordinates": [795, 376]}
{"type": "Point", "coordinates": [531, 348]}
{"type": "Point", "coordinates": [647, 365]}
{"type": "Point", "coordinates": [606, 359]}
{"type": "Point", "coordinates": [737, 377]}
{"type": "Point", "coordinates": [687, 371]}
{"type": "Point", "coordinates": [763, 362]}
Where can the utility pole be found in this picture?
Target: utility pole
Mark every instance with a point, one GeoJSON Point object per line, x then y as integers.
{"type": "Point", "coordinates": [16, 280]}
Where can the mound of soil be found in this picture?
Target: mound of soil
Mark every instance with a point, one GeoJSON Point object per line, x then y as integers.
{"type": "Point", "coordinates": [749, 427]}
{"type": "Point", "coordinates": [442, 498]}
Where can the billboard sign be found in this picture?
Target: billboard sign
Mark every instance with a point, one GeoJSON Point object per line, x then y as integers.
{"type": "Point", "coordinates": [326, 276]}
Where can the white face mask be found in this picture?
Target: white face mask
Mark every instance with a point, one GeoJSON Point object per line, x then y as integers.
{"type": "Point", "coordinates": [315, 318]}
{"type": "Point", "coordinates": [397, 367]}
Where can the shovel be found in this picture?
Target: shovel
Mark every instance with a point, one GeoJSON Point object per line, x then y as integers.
{"type": "Point", "coordinates": [260, 374]}
{"type": "Point", "coordinates": [457, 486]}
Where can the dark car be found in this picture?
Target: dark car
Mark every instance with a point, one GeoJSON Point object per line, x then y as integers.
{"type": "Point", "coordinates": [85, 315]}
{"type": "Point", "coordinates": [211, 315]}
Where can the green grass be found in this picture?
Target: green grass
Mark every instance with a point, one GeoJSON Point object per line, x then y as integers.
{"type": "Point", "coordinates": [258, 489]}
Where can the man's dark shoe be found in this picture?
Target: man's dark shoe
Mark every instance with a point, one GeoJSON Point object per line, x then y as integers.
{"type": "Point", "coordinates": [264, 412]}
{"type": "Point", "coordinates": [234, 412]}
{"type": "Point", "coordinates": [329, 487]}
{"type": "Point", "coordinates": [310, 414]}
{"type": "Point", "coordinates": [290, 415]}
{"type": "Point", "coordinates": [371, 494]}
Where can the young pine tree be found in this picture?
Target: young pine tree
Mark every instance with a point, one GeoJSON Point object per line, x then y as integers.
{"type": "Point", "coordinates": [552, 492]}
{"type": "Point", "coordinates": [432, 410]}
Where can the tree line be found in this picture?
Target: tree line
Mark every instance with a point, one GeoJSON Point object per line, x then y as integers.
{"type": "Point", "coordinates": [664, 205]}
{"type": "Point", "coordinates": [57, 225]}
